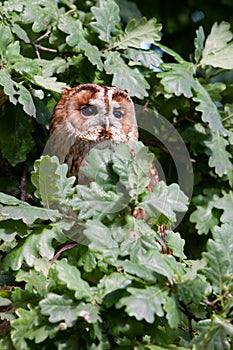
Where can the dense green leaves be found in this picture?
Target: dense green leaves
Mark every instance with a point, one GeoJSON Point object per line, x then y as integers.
{"type": "Point", "coordinates": [91, 267]}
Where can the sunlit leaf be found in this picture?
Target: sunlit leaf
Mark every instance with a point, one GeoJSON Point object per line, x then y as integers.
{"type": "Point", "coordinates": [146, 58]}
{"type": "Point", "coordinates": [101, 240]}
{"type": "Point", "coordinates": [203, 216]}
{"type": "Point", "coordinates": [219, 267]}
{"type": "Point", "coordinates": [178, 78]}
{"type": "Point", "coordinates": [218, 38]}
{"type": "Point", "coordinates": [226, 204]}
{"type": "Point", "coordinates": [38, 243]}
{"type": "Point", "coordinates": [89, 312]}
{"type": "Point", "coordinates": [52, 185]}
{"type": "Point", "coordinates": [217, 51]}
{"type": "Point", "coordinates": [20, 32]}
{"type": "Point", "coordinates": [113, 282]}
{"type": "Point", "coordinates": [10, 228]}
{"type": "Point", "coordinates": [94, 201]}
{"type": "Point", "coordinates": [92, 53]}
{"type": "Point", "coordinates": [27, 213]}
{"type": "Point", "coordinates": [176, 244]}
{"type": "Point", "coordinates": [219, 157]}
{"type": "Point", "coordinates": [125, 77]}
{"type": "Point", "coordinates": [49, 83]}
{"type": "Point", "coordinates": [164, 200]}
{"type": "Point", "coordinates": [106, 18]}
{"type": "Point", "coordinates": [144, 303]}
{"type": "Point", "coordinates": [199, 43]}
{"type": "Point", "coordinates": [59, 308]}
{"type": "Point", "coordinates": [136, 33]}
{"type": "Point", "coordinates": [214, 334]}
{"type": "Point", "coordinates": [210, 113]}
{"type": "Point", "coordinates": [221, 58]}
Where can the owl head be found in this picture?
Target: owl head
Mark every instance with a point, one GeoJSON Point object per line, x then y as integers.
{"type": "Point", "coordinates": [88, 116]}
{"type": "Point", "coordinates": [93, 112]}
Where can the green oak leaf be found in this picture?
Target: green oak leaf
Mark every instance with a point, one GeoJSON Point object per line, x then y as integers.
{"type": "Point", "coordinates": [164, 200]}
{"type": "Point", "coordinates": [175, 243]}
{"type": "Point", "coordinates": [199, 43]}
{"type": "Point", "coordinates": [146, 58]}
{"type": "Point", "coordinates": [172, 314]}
{"type": "Point", "coordinates": [144, 303]}
{"type": "Point", "coordinates": [218, 38]}
{"type": "Point", "coordinates": [37, 243]}
{"type": "Point", "coordinates": [220, 59]}
{"type": "Point", "coordinates": [71, 276]}
{"type": "Point", "coordinates": [210, 113]}
{"type": "Point", "coordinates": [106, 17]}
{"type": "Point", "coordinates": [73, 27]}
{"type": "Point", "coordinates": [52, 185]}
{"type": "Point", "coordinates": [218, 257]}
{"type": "Point", "coordinates": [27, 213]}
{"type": "Point", "coordinates": [124, 77]}
{"type": "Point", "coordinates": [203, 216]}
{"type": "Point", "coordinates": [49, 83]}
{"type": "Point", "coordinates": [113, 282]}
{"type": "Point", "coordinates": [217, 51]}
{"type": "Point", "coordinates": [177, 78]}
{"type": "Point", "coordinates": [226, 204]}
{"type": "Point", "coordinates": [28, 326]}
{"type": "Point", "coordinates": [215, 333]}
{"type": "Point", "coordinates": [20, 32]}
{"type": "Point", "coordinates": [220, 157]}
{"type": "Point", "coordinates": [101, 240]}
{"type": "Point", "coordinates": [136, 33]}
{"type": "Point", "coordinates": [10, 228]}
{"type": "Point", "coordinates": [59, 308]}
{"type": "Point", "coordinates": [192, 290]}
{"type": "Point", "coordinates": [17, 93]}
{"type": "Point", "coordinates": [91, 52]}
{"type": "Point", "coordinates": [89, 312]}
{"type": "Point", "coordinates": [94, 201]}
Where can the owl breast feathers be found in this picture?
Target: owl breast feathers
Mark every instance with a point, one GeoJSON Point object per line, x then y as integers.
{"type": "Point", "coordinates": [90, 116]}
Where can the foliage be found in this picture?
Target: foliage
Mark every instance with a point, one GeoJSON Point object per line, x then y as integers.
{"type": "Point", "coordinates": [115, 289]}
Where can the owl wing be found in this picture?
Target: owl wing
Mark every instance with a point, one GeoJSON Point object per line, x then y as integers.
{"type": "Point", "coordinates": [60, 142]}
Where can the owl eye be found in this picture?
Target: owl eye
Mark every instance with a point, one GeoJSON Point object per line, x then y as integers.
{"type": "Point", "coordinates": [118, 113]}
{"type": "Point", "coordinates": [88, 111]}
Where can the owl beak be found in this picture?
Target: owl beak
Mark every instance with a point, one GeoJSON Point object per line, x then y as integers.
{"type": "Point", "coordinates": [106, 123]}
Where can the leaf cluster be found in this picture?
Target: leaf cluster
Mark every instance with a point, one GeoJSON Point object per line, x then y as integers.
{"type": "Point", "coordinates": [115, 289]}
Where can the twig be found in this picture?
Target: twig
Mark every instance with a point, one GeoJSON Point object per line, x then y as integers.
{"type": "Point", "coordinates": [63, 249]}
{"type": "Point", "coordinates": [23, 184]}
{"type": "Point", "coordinates": [46, 35]}
{"type": "Point", "coordinates": [38, 47]}
{"type": "Point", "coordinates": [190, 317]}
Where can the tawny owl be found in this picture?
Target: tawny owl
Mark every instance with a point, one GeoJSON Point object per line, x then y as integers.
{"type": "Point", "coordinates": [91, 115]}
{"type": "Point", "coordinates": [88, 116]}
